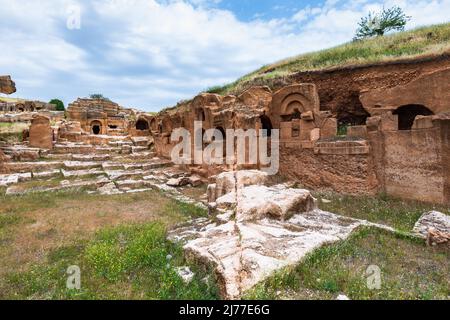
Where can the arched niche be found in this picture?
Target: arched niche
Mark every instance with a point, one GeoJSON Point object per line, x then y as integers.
{"type": "Point", "coordinates": [408, 113]}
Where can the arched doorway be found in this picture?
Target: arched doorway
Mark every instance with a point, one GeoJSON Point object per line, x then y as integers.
{"type": "Point", "coordinates": [96, 127]}
{"type": "Point", "coordinates": [407, 114]}
{"type": "Point", "coordinates": [142, 125]}
{"type": "Point", "coordinates": [266, 125]}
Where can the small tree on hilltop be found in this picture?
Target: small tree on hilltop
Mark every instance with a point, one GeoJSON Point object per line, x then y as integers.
{"type": "Point", "coordinates": [98, 96]}
{"type": "Point", "coordinates": [59, 104]}
{"type": "Point", "coordinates": [377, 24]}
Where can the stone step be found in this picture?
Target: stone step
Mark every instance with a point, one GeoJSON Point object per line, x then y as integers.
{"type": "Point", "coordinates": [91, 157]}
{"type": "Point", "coordinates": [135, 156]}
{"type": "Point", "coordinates": [23, 153]}
{"type": "Point", "coordinates": [120, 143]}
{"type": "Point", "coordinates": [9, 179]}
{"type": "Point", "coordinates": [112, 166]}
{"type": "Point", "coordinates": [47, 174]}
{"type": "Point", "coordinates": [127, 185]}
{"type": "Point", "coordinates": [82, 173]}
{"type": "Point", "coordinates": [138, 149]}
{"type": "Point", "coordinates": [21, 167]}
{"type": "Point", "coordinates": [59, 156]}
{"type": "Point", "coordinates": [81, 165]}
{"type": "Point", "coordinates": [141, 141]}
{"type": "Point", "coordinates": [126, 174]}
{"type": "Point", "coordinates": [72, 148]}
{"type": "Point", "coordinates": [64, 185]}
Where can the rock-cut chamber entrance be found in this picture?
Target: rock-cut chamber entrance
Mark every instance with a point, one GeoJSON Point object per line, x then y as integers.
{"type": "Point", "coordinates": [407, 114]}
{"type": "Point", "coordinates": [96, 127]}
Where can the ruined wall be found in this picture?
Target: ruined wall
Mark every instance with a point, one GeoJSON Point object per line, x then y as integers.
{"type": "Point", "coordinates": [348, 172]}
{"type": "Point", "coordinates": [339, 89]}
{"type": "Point", "coordinates": [41, 133]}
{"type": "Point", "coordinates": [445, 139]}
{"type": "Point", "coordinates": [413, 164]}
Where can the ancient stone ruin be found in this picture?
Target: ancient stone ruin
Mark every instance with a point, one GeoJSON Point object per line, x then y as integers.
{"type": "Point", "coordinates": [397, 139]}
{"type": "Point", "coordinates": [7, 86]}
{"type": "Point", "coordinates": [362, 130]}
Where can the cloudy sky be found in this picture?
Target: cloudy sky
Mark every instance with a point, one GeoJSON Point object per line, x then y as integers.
{"type": "Point", "coordinates": [152, 53]}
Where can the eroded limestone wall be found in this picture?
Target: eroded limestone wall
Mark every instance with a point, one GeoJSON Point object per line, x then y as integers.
{"type": "Point", "coordinates": [345, 173]}
{"type": "Point", "coordinates": [413, 164]}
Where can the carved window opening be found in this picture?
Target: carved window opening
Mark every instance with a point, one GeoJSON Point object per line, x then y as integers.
{"type": "Point", "coordinates": [407, 114]}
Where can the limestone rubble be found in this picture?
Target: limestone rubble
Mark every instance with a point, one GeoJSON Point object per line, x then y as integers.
{"type": "Point", "coordinates": [259, 231]}
{"type": "Point", "coordinates": [434, 227]}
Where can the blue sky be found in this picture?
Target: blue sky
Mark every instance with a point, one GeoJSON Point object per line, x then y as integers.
{"type": "Point", "coordinates": [149, 54]}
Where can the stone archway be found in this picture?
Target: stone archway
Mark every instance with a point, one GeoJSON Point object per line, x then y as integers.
{"type": "Point", "coordinates": [142, 125]}
{"type": "Point", "coordinates": [408, 113]}
{"type": "Point", "coordinates": [96, 127]}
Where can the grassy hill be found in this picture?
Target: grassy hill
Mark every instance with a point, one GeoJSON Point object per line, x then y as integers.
{"type": "Point", "coordinates": [425, 41]}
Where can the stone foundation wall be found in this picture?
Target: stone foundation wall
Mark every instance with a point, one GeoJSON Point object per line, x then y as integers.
{"type": "Point", "coordinates": [345, 173]}
{"type": "Point", "coordinates": [413, 164]}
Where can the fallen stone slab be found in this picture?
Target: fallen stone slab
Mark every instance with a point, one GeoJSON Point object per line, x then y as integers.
{"type": "Point", "coordinates": [245, 253]}
{"type": "Point", "coordinates": [178, 182]}
{"type": "Point", "coordinates": [257, 202]}
{"type": "Point", "coordinates": [258, 229]}
{"type": "Point", "coordinates": [229, 181]}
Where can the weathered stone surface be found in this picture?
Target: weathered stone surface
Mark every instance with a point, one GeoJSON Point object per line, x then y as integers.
{"type": "Point", "coordinates": [8, 179]}
{"type": "Point", "coordinates": [245, 253]}
{"type": "Point", "coordinates": [108, 189]}
{"type": "Point", "coordinates": [178, 182]}
{"type": "Point", "coordinates": [257, 202]}
{"type": "Point", "coordinates": [257, 230]}
{"type": "Point", "coordinates": [432, 221]}
{"type": "Point", "coordinates": [41, 133]}
{"type": "Point", "coordinates": [228, 181]}
{"type": "Point", "coordinates": [7, 86]}
{"type": "Point", "coordinates": [195, 181]}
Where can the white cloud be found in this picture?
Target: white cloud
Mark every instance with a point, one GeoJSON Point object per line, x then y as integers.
{"type": "Point", "coordinates": [150, 54]}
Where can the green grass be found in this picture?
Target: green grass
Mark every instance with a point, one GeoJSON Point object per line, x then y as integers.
{"type": "Point", "coordinates": [398, 213]}
{"type": "Point", "coordinates": [431, 40]}
{"type": "Point", "coordinates": [41, 235]}
{"type": "Point", "coordinates": [127, 262]}
{"type": "Point", "coordinates": [409, 270]}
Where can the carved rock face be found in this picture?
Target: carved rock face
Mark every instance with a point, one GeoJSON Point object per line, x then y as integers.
{"type": "Point", "coordinates": [41, 133]}
{"type": "Point", "coordinates": [7, 85]}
